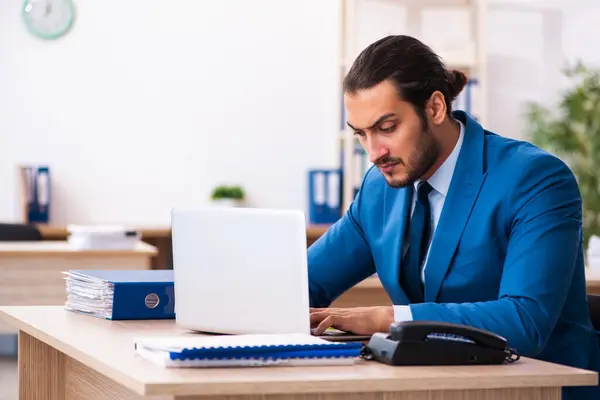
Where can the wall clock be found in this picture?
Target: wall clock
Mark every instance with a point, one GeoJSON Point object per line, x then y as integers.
{"type": "Point", "coordinates": [48, 19]}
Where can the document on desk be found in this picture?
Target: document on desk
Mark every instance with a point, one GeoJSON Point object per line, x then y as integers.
{"type": "Point", "coordinates": [252, 350]}
{"type": "Point", "coordinates": [121, 294]}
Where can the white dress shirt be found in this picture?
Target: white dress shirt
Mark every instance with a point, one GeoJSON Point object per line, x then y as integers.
{"type": "Point", "coordinates": [440, 182]}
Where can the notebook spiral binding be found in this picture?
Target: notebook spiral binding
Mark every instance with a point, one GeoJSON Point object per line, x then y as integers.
{"type": "Point", "coordinates": [270, 351]}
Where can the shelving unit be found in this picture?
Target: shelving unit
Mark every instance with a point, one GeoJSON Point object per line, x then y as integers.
{"type": "Point", "coordinates": [468, 56]}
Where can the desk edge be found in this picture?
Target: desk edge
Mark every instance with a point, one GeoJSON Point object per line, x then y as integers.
{"type": "Point", "coordinates": [125, 380]}
{"type": "Point", "coordinates": [579, 377]}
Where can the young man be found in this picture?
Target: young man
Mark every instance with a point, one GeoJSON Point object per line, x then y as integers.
{"type": "Point", "coordinates": [460, 224]}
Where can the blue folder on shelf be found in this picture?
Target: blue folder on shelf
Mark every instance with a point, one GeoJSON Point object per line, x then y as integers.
{"type": "Point", "coordinates": [36, 184]}
{"type": "Point", "coordinates": [121, 294]}
{"type": "Point", "coordinates": [324, 195]}
{"type": "Point", "coordinates": [196, 350]}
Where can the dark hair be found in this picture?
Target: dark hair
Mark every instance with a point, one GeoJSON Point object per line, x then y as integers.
{"type": "Point", "coordinates": [412, 66]}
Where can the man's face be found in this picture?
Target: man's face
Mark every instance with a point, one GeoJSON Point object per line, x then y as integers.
{"type": "Point", "coordinates": [396, 139]}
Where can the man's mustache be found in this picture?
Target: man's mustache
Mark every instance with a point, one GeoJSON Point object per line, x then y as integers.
{"type": "Point", "coordinates": [387, 160]}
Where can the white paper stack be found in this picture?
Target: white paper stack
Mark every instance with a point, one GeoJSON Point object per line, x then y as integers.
{"type": "Point", "coordinates": [89, 295]}
{"type": "Point", "coordinates": [102, 237]}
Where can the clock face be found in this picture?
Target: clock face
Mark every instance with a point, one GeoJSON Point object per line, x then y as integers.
{"type": "Point", "coordinates": [48, 19]}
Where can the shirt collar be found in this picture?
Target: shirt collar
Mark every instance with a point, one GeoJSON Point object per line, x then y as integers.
{"type": "Point", "coordinates": [440, 180]}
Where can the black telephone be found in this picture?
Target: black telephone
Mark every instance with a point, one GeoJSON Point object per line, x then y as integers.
{"type": "Point", "coordinates": [438, 343]}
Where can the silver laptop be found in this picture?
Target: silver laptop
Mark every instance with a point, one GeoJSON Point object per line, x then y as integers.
{"type": "Point", "coordinates": [240, 270]}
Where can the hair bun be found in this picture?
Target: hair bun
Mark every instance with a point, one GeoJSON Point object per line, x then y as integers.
{"type": "Point", "coordinates": [456, 83]}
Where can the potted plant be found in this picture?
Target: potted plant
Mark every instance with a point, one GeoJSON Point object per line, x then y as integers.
{"type": "Point", "coordinates": [228, 196]}
{"type": "Point", "coordinates": [572, 132]}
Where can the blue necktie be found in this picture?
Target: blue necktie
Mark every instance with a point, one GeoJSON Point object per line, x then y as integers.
{"type": "Point", "coordinates": [420, 229]}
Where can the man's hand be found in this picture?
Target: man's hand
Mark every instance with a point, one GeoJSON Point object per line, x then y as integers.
{"type": "Point", "coordinates": [360, 320]}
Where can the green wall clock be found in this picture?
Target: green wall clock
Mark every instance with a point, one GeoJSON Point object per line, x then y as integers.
{"type": "Point", "coordinates": [48, 19]}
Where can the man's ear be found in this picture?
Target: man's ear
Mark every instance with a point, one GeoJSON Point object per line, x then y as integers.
{"type": "Point", "coordinates": [436, 108]}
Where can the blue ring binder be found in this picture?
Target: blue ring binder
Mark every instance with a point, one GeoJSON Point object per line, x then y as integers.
{"type": "Point", "coordinates": [324, 195]}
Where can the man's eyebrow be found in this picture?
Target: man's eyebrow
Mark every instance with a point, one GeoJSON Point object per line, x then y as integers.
{"type": "Point", "coordinates": [379, 120]}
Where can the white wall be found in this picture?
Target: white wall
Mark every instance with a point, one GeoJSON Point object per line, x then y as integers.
{"type": "Point", "coordinates": [148, 104]}
{"type": "Point", "coordinates": [529, 43]}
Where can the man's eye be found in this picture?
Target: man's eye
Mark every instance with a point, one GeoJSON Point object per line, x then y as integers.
{"type": "Point", "coordinates": [359, 133]}
{"type": "Point", "coordinates": [388, 129]}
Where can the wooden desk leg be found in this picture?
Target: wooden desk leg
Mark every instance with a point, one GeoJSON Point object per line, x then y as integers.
{"type": "Point", "coordinates": [41, 370]}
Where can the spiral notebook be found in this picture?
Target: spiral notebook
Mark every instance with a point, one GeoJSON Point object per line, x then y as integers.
{"type": "Point", "coordinates": [245, 350]}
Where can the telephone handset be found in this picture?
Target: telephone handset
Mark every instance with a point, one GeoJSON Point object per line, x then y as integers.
{"type": "Point", "coordinates": [438, 343]}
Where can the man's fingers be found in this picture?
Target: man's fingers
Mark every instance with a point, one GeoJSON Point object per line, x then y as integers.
{"type": "Point", "coordinates": [329, 309]}
{"type": "Point", "coordinates": [360, 320]}
{"type": "Point", "coordinates": [317, 317]}
{"type": "Point", "coordinates": [341, 322]}
{"type": "Point", "coordinates": [326, 323]}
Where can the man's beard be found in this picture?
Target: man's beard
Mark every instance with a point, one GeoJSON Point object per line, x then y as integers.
{"type": "Point", "coordinates": [419, 162]}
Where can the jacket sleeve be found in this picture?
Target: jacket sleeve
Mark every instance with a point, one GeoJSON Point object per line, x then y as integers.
{"type": "Point", "coordinates": [340, 258]}
{"type": "Point", "coordinates": [544, 245]}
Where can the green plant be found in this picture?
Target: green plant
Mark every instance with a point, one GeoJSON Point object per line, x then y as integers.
{"type": "Point", "coordinates": [573, 133]}
{"type": "Point", "coordinates": [228, 192]}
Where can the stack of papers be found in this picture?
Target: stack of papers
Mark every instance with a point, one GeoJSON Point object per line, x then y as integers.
{"type": "Point", "coordinates": [102, 237]}
{"type": "Point", "coordinates": [89, 295]}
{"type": "Point", "coordinates": [250, 350]}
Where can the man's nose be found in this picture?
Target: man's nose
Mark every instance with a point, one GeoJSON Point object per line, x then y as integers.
{"type": "Point", "coordinates": [375, 150]}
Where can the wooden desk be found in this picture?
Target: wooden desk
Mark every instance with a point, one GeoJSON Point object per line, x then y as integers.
{"type": "Point", "coordinates": [59, 232]}
{"type": "Point", "coordinates": [31, 272]}
{"type": "Point", "coordinates": [67, 355]}
{"type": "Point", "coordinates": [56, 232]}
{"type": "Point", "coordinates": [160, 237]}
{"type": "Point", "coordinates": [156, 236]}
{"type": "Point", "coordinates": [370, 292]}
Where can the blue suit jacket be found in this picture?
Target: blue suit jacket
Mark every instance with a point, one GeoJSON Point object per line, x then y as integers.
{"type": "Point", "coordinates": [506, 256]}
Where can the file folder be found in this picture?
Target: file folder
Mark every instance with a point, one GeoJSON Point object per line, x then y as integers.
{"type": "Point", "coordinates": [121, 294]}
{"type": "Point", "coordinates": [325, 195]}
{"type": "Point", "coordinates": [36, 193]}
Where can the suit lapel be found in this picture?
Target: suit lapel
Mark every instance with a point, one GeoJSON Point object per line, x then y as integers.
{"type": "Point", "coordinates": [464, 188]}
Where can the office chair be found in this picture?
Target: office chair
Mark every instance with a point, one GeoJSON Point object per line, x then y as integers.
{"type": "Point", "coordinates": [19, 232]}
